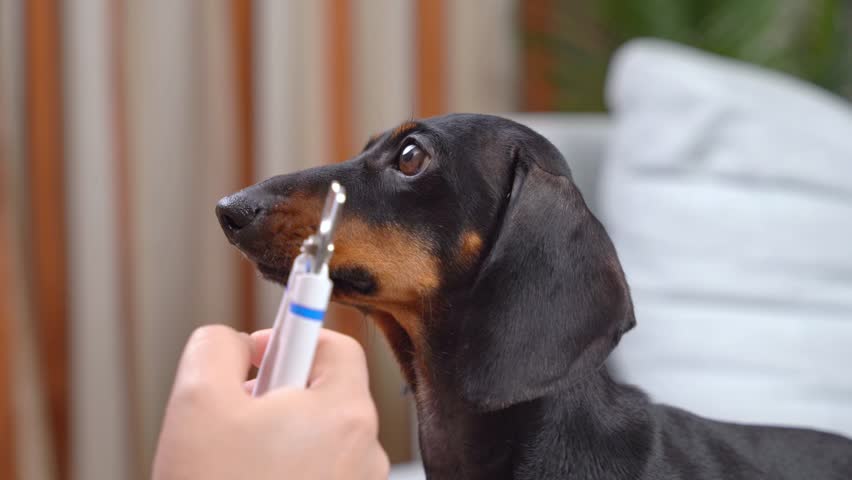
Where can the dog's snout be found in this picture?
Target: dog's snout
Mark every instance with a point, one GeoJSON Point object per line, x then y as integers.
{"type": "Point", "coordinates": [236, 213]}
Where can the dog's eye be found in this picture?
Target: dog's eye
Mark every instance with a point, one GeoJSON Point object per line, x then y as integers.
{"type": "Point", "coordinates": [412, 160]}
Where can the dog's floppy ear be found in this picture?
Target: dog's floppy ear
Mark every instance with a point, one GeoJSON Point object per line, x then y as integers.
{"type": "Point", "coordinates": [550, 300]}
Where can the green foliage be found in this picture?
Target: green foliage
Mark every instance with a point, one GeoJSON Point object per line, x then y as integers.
{"type": "Point", "coordinates": [811, 39]}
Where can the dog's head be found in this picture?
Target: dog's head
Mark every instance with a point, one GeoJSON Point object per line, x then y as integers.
{"type": "Point", "coordinates": [472, 225]}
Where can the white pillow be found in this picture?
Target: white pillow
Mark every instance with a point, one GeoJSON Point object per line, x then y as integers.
{"type": "Point", "coordinates": [727, 190]}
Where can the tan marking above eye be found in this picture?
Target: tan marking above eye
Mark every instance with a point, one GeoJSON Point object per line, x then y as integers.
{"type": "Point", "coordinates": [470, 247]}
{"type": "Point", "coordinates": [403, 129]}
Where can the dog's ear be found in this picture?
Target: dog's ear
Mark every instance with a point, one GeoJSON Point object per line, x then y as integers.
{"type": "Point", "coordinates": [550, 300]}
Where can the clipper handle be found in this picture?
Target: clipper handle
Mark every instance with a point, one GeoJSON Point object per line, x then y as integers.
{"type": "Point", "coordinates": [288, 359]}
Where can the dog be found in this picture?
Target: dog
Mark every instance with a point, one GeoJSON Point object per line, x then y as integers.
{"type": "Point", "coordinates": [466, 241]}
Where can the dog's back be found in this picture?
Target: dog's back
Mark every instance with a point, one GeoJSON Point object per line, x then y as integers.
{"type": "Point", "coordinates": [698, 448]}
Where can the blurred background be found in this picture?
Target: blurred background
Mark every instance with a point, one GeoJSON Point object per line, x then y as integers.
{"type": "Point", "coordinates": [123, 122]}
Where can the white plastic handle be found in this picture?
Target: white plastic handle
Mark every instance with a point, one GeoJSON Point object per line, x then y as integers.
{"type": "Point", "coordinates": [290, 354]}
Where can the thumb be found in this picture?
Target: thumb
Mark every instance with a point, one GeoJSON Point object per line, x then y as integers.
{"type": "Point", "coordinates": [215, 356]}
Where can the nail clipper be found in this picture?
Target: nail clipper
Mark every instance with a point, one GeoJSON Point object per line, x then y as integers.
{"type": "Point", "coordinates": [290, 353]}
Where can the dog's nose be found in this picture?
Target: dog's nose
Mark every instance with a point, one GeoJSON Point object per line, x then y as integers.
{"type": "Point", "coordinates": [236, 212]}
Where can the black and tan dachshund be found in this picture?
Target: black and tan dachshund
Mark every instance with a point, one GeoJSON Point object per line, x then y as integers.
{"type": "Point", "coordinates": [465, 239]}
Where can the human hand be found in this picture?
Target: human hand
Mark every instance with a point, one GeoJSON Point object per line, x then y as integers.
{"type": "Point", "coordinates": [214, 429]}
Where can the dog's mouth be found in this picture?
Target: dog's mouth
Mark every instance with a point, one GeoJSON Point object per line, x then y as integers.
{"type": "Point", "coordinates": [348, 280]}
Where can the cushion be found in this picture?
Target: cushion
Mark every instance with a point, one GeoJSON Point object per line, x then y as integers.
{"type": "Point", "coordinates": [727, 190]}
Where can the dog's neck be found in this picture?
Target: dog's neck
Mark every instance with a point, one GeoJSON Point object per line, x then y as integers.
{"type": "Point", "coordinates": [581, 429]}
{"type": "Point", "coordinates": [585, 425]}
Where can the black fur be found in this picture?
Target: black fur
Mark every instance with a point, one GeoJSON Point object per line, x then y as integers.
{"type": "Point", "coordinates": [516, 386]}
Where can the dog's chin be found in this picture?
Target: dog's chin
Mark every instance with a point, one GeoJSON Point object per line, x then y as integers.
{"type": "Point", "coordinates": [275, 274]}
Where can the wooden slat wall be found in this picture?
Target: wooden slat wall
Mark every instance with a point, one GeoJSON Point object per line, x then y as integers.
{"type": "Point", "coordinates": [481, 56]}
{"type": "Point", "coordinates": [98, 404]}
{"type": "Point", "coordinates": [8, 443]}
{"type": "Point", "coordinates": [431, 48]}
{"type": "Point", "coordinates": [124, 237]}
{"type": "Point", "coordinates": [163, 93]}
{"type": "Point", "coordinates": [538, 92]}
{"type": "Point", "coordinates": [47, 193]}
{"type": "Point", "coordinates": [7, 352]}
{"type": "Point", "coordinates": [241, 28]}
{"type": "Point", "coordinates": [340, 78]}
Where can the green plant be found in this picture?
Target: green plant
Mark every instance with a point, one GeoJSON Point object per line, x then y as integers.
{"type": "Point", "coordinates": [811, 39]}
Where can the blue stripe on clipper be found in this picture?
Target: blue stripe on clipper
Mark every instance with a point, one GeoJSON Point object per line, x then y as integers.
{"type": "Point", "coordinates": [307, 312]}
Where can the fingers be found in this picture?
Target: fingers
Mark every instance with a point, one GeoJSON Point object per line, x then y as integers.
{"type": "Point", "coordinates": [339, 365]}
{"type": "Point", "coordinates": [215, 356]}
{"type": "Point", "coordinates": [260, 339]}
{"type": "Point", "coordinates": [380, 464]}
